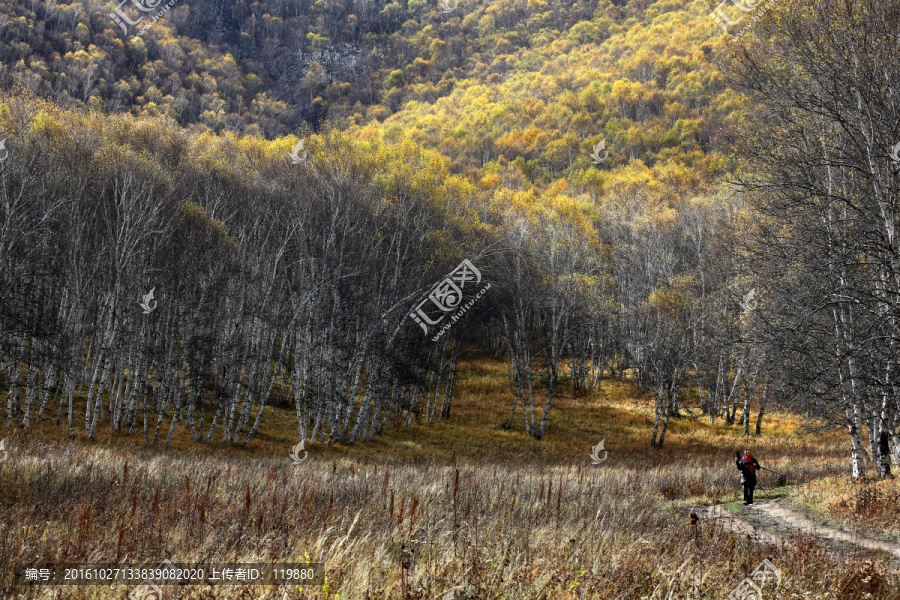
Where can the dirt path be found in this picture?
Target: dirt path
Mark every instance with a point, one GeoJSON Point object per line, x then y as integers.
{"type": "Point", "coordinates": [776, 514]}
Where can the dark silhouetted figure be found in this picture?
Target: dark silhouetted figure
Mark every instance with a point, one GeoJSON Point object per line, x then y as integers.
{"type": "Point", "coordinates": [748, 466]}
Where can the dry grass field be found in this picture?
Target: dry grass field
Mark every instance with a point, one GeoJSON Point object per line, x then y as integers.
{"type": "Point", "coordinates": [871, 506]}
{"type": "Point", "coordinates": [456, 510]}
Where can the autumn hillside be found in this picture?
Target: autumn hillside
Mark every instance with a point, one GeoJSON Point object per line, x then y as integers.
{"type": "Point", "coordinates": [267, 67]}
{"type": "Point", "coordinates": [463, 300]}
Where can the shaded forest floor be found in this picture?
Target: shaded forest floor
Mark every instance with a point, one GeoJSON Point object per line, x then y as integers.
{"type": "Point", "coordinates": [482, 400]}
{"type": "Point", "coordinates": [463, 509]}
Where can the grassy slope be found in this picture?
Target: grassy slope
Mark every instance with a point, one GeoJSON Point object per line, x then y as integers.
{"type": "Point", "coordinates": [473, 434]}
{"type": "Point", "coordinates": [523, 519]}
{"type": "Point", "coordinates": [869, 507]}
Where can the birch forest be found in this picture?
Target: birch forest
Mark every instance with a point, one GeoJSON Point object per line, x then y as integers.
{"type": "Point", "coordinates": [197, 230]}
{"type": "Point", "coordinates": [449, 299]}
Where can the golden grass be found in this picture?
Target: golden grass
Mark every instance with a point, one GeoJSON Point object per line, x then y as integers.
{"type": "Point", "coordinates": [463, 506]}
{"type": "Point", "coordinates": [870, 506]}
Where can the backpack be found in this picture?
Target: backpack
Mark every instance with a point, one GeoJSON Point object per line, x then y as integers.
{"type": "Point", "coordinates": [748, 460]}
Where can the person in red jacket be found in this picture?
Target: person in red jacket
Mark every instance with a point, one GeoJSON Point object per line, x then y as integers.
{"type": "Point", "coordinates": [748, 466]}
